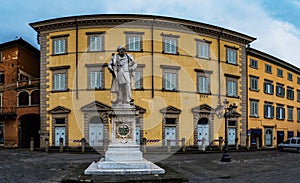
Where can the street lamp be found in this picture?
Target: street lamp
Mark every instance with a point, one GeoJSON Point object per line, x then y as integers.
{"type": "Point", "coordinates": [227, 113]}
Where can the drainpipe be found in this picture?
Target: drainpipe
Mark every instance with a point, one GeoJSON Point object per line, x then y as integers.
{"type": "Point", "coordinates": [76, 72]}
{"type": "Point", "coordinates": [219, 67]}
{"type": "Point", "coordinates": [152, 58]}
{"type": "Point", "coordinates": [247, 102]}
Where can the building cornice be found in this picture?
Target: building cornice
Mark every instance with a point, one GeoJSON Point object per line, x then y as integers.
{"type": "Point", "coordinates": [271, 59]}
{"type": "Point", "coordinates": [134, 20]}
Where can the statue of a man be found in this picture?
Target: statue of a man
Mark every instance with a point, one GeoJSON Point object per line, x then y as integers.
{"type": "Point", "coordinates": [121, 66]}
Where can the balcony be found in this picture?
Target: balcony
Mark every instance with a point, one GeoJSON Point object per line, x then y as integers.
{"type": "Point", "coordinates": [8, 112]}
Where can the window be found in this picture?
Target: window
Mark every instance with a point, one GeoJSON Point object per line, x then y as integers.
{"type": "Point", "coordinates": [138, 77]}
{"type": "Point", "coordinates": [134, 41]}
{"type": "Point", "coordinates": [35, 97]}
{"type": "Point", "coordinates": [254, 108]}
{"type": "Point", "coordinates": [290, 93]}
{"type": "Point", "coordinates": [268, 68]}
{"type": "Point", "coordinates": [290, 76]}
{"type": "Point", "coordinates": [280, 90]}
{"type": "Point", "coordinates": [298, 95]}
{"type": "Point", "coordinates": [290, 113]}
{"type": "Point", "coordinates": [232, 87]}
{"type": "Point", "coordinates": [170, 43]}
{"type": "Point", "coordinates": [59, 45]}
{"type": "Point", "coordinates": [253, 83]}
{"type": "Point", "coordinates": [253, 63]}
{"type": "Point", "coordinates": [203, 83]}
{"type": "Point", "coordinates": [95, 41]}
{"type": "Point", "coordinates": [280, 112]}
{"type": "Point", "coordinates": [298, 114]}
{"type": "Point", "coordinates": [268, 87]}
{"type": "Point", "coordinates": [269, 110]}
{"type": "Point", "coordinates": [298, 80]}
{"type": "Point", "coordinates": [279, 72]}
{"type": "Point", "coordinates": [96, 79]}
{"type": "Point", "coordinates": [231, 55]}
{"type": "Point", "coordinates": [2, 77]}
{"type": "Point", "coordinates": [170, 78]}
{"type": "Point", "coordinates": [1, 133]}
{"type": "Point", "coordinates": [59, 82]}
{"type": "Point", "coordinates": [23, 99]}
{"type": "Point", "coordinates": [203, 49]}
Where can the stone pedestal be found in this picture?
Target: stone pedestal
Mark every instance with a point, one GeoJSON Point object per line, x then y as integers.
{"type": "Point", "coordinates": [123, 155]}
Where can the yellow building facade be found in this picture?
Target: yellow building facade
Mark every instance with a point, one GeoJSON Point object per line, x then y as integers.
{"type": "Point", "coordinates": [185, 70]}
{"type": "Point", "coordinates": [273, 99]}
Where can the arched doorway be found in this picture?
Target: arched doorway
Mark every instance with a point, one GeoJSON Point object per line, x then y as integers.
{"type": "Point", "coordinates": [203, 131]}
{"type": "Point", "coordinates": [29, 128]}
{"type": "Point", "coordinates": [96, 131]}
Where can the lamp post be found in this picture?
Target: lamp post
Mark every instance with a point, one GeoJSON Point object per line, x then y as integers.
{"type": "Point", "coordinates": [227, 113]}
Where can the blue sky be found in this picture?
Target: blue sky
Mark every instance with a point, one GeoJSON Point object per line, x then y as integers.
{"type": "Point", "coordinates": [275, 24]}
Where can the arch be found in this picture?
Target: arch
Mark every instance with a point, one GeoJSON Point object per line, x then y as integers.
{"type": "Point", "coordinates": [203, 121]}
{"type": "Point", "coordinates": [29, 128]}
{"type": "Point", "coordinates": [23, 98]}
{"type": "Point", "coordinates": [35, 97]}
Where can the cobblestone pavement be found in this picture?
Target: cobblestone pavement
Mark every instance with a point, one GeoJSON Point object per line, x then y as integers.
{"type": "Point", "coordinates": [257, 166]}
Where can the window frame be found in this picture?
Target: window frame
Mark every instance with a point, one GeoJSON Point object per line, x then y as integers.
{"type": "Point", "coordinates": [100, 36]}
{"type": "Point", "coordinates": [254, 108]}
{"type": "Point", "coordinates": [268, 87]}
{"type": "Point", "coordinates": [63, 50]}
{"type": "Point", "coordinates": [290, 94]}
{"type": "Point", "coordinates": [198, 85]}
{"type": "Point", "coordinates": [282, 89]}
{"type": "Point", "coordinates": [279, 72]}
{"type": "Point", "coordinates": [254, 66]}
{"type": "Point", "coordinates": [203, 49]}
{"type": "Point", "coordinates": [290, 113]}
{"type": "Point", "coordinates": [170, 70]}
{"type": "Point", "coordinates": [231, 59]}
{"type": "Point", "coordinates": [135, 35]}
{"type": "Point", "coordinates": [290, 76]}
{"type": "Point", "coordinates": [140, 69]}
{"type": "Point", "coordinates": [280, 112]}
{"type": "Point", "coordinates": [235, 93]}
{"type": "Point", "coordinates": [173, 38]}
{"type": "Point", "coordinates": [254, 83]}
{"type": "Point", "coordinates": [268, 110]}
{"type": "Point", "coordinates": [63, 70]}
{"type": "Point", "coordinates": [268, 68]}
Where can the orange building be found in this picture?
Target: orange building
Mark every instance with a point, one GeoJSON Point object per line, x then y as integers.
{"type": "Point", "coordinates": [19, 89]}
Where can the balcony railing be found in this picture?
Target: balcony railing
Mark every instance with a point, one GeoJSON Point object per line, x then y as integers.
{"type": "Point", "coordinates": [8, 112]}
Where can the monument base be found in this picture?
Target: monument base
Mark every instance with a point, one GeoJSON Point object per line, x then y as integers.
{"type": "Point", "coordinates": [123, 160]}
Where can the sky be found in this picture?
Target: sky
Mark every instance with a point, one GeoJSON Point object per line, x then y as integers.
{"type": "Point", "coordinates": [275, 23]}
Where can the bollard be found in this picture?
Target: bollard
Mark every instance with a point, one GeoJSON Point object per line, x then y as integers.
{"type": "Point", "coordinates": [248, 142]}
{"type": "Point", "coordinates": [168, 145]}
{"type": "Point", "coordinates": [221, 143]}
{"type": "Point", "coordinates": [144, 143]}
{"type": "Point", "coordinates": [183, 144]}
{"type": "Point", "coordinates": [83, 142]}
{"type": "Point", "coordinates": [257, 142]}
{"type": "Point", "coordinates": [236, 143]}
{"type": "Point", "coordinates": [46, 144]}
{"type": "Point", "coordinates": [203, 144]}
{"type": "Point", "coordinates": [31, 144]}
{"type": "Point", "coordinates": [61, 144]}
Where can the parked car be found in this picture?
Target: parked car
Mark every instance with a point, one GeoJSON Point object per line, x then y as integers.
{"type": "Point", "coordinates": [291, 144]}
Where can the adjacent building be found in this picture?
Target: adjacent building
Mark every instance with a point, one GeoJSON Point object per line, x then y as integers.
{"type": "Point", "coordinates": [19, 94]}
{"type": "Point", "coordinates": [273, 99]}
{"type": "Point", "coordinates": [186, 69]}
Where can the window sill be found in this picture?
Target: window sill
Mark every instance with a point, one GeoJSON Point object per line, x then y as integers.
{"type": "Point", "coordinates": [254, 90]}
{"type": "Point", "coordinates": [170, 53]}
{"type": "Point", "coordinates": [269, 93]}
{"type": "Point", "coordinates": [235, 64]}
{"type": "Point", "coordinates": [280, 119]}
{"type": "Point", "coordinates": [290, 120]}
{"type": "Point", "coordinates": [232, 96]}
{"type": "Point", "coordinates": [164, 90]}
{"type": "Point", "coordinates": [93, 89]}
{"type": "Point", "coordinates": [209, 58]}
{"type": "Point", "coordinates": [269, 117]}
{"type": "Point", "coordinates": [58, 91]}
{"type": "Point", "coordinates": [254, 116]}
{"type": "Point", "coordinates": [59, 54]}
{"type": "Point", "coordinates": [202, 93]}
